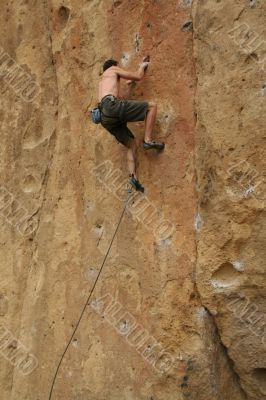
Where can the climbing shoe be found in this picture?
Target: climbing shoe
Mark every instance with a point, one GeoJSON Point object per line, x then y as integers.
{"type": "Point", "coordinates": [136, 184]}
{"type": "Point", "coordinates": [153, 145]}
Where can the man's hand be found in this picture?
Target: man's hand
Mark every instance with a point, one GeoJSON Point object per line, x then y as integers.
{"type": "Point", "coordinates": [144, 65]}
{"type": "Point", "coordinates": [134, 76]}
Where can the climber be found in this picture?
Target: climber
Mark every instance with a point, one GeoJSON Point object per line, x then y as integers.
{"type": "Point", "coordinates": [115, 113]}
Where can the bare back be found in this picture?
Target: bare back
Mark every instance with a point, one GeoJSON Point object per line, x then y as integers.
{"type": "Point", "coordinates": [111, 79]}
{"type": "Point", "coordinates": [109, 83]}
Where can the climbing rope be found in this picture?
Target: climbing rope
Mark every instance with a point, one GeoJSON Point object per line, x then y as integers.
{"type": "Point", "coordinates": [88, 299]}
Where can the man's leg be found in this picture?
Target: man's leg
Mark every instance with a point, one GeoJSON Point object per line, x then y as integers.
{"type": "Point", "coordinates": [138, 111]}
{"type": "Point", "coordinates": [131, 156]}
{"type": "Point", "coordinates": [149, 127]}
{"type": "Point", "coordinates": [131, 163]}
{"type": "Point", "coordinates": [150, 121]}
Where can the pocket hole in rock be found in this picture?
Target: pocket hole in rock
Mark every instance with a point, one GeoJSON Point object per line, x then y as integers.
{"type": "Point", "coordinates": [187, 26]}
{"type": "Point", "coordinates": [63, 14]}
{"type": "Point", "coordinates": [117, 3]}
{"type": "Point", "coordinates": [226, 276]}
{"type": "Point", "coordinates": [259, 375]}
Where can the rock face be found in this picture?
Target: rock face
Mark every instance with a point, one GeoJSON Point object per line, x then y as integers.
{"type": "Point", "coordinates": [230, 57]}
{"type": "Point", "coordinates": [178, 310]}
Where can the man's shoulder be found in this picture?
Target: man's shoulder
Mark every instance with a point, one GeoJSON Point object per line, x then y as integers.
{"type": "Point", "coordinates": [111, 71]}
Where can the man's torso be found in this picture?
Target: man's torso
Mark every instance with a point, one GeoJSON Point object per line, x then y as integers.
{"type": "Point", "coordinates": [109, 84]}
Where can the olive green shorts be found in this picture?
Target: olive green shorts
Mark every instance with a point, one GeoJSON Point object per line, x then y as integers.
{"type": "Point", "coordinates": [116, 113]}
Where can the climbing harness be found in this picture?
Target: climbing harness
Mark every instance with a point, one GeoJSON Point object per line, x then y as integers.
{"type": "Point", "coordinates": [88, 298]}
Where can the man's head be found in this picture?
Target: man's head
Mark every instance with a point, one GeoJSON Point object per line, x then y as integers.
{"type": "Point", "coordinates": [108, 64]}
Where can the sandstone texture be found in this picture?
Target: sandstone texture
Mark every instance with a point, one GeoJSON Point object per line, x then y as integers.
{"type": "Point", "coordinates": [230, 58]}
{"type": "Point", "coordinates": [178, 310]}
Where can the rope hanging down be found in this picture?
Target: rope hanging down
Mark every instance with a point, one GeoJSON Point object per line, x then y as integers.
{"type": "Point", "coordinates": [87, 301]}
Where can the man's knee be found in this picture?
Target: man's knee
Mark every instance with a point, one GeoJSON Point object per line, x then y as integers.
{"type": "Point", "coordinates": [131, 144]}
{"type": "Point", "coordinates": [152, 104]}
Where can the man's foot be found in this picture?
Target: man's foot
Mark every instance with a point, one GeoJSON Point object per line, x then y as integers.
{"type": "Point", "coordinates": [153, 145]}
{"type": "Point", "coordinates": [136, 184]}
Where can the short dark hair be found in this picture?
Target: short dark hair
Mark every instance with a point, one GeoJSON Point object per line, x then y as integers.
{"type": "Point", "coordinates": [109, 63]}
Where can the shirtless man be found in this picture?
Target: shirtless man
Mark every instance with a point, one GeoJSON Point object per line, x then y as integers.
{"type": "Point", "coordinates": [115, 113]}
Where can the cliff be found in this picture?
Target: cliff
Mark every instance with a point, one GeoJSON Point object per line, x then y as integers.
{"type": "Point", "coordinates": [179, 307]}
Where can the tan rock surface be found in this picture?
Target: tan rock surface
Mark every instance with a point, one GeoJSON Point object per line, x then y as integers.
{"type": "Point", "coordinates": [54, 168]}
{"type": "Point", "coordinates": [230, 50]}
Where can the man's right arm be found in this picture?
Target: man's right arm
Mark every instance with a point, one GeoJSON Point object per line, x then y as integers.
{"type": "Point", "coordinates": [132, 76]}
